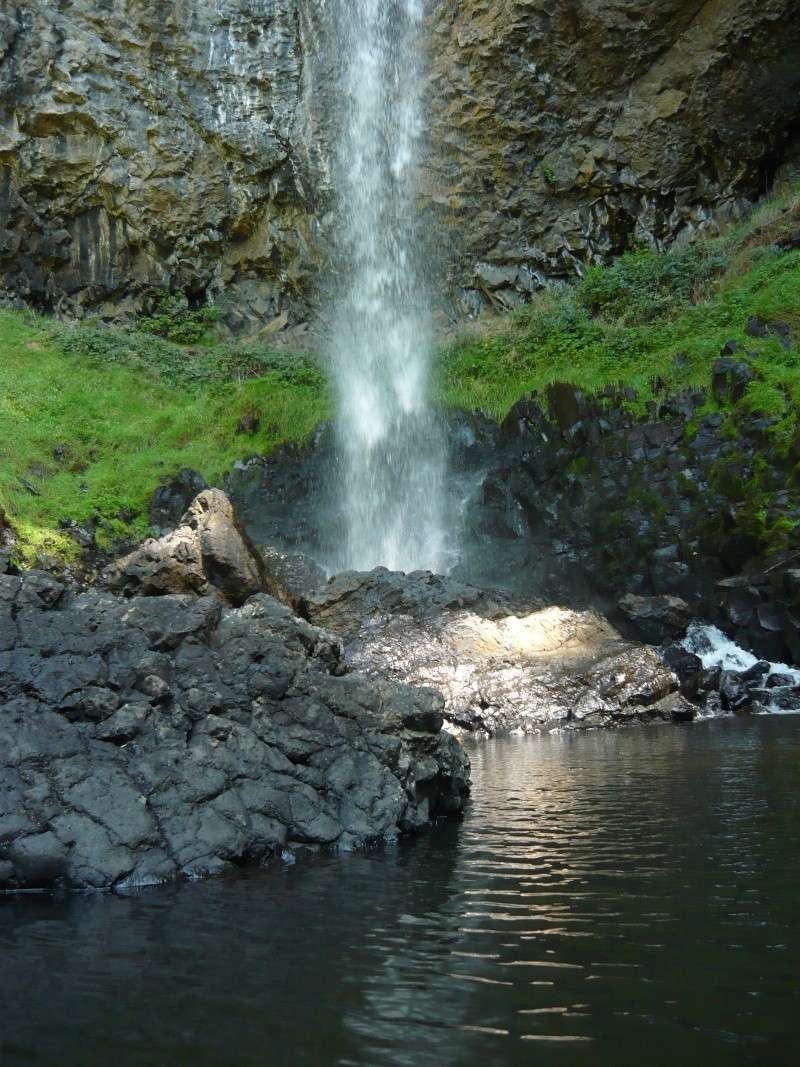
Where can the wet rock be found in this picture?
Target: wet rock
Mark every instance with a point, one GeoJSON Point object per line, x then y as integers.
{"type": "Point", "coordinates": [167, 737]}
{"type": "Point", "coordinates": [589, 506]}
{"type": "Point", "coordinates": [674, 708]}
{"type": "Point", "coordinates": [686, 665]}
{"type": "Point", "coordinates": [209, 549]}
{"type": "Point", "coordinates": [291, 577]}
{"type": "Point", "coordinates": [657, 617]}
{"type": "Point", "coordinates": [783, 698]}
{"type": "Point", "coordinates": [500, 663]}
{"type": "Point", "coordinates": [780, 680]}
{"type": "Point", "coordinates": [736, 694]}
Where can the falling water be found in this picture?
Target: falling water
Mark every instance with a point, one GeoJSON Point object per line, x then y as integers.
{"type": "Point", "coordinates": [392, 456]}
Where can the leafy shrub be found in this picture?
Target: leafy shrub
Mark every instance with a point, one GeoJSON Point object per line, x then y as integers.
{"type": "Point", "coordinates": [643, 285]}
{"type": "Point", "coordinates": [293, 368]}
{"type": "Point", "coordinates": [175, 321]}
{"type": "Point", "coordinates": [178, 366]}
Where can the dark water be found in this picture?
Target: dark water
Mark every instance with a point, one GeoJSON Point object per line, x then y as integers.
{"type": "Point", "coordinates": [611, 899]}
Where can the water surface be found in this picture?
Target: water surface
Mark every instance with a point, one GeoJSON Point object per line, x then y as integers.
{"type": "Point", "coordinates": [610, 899]}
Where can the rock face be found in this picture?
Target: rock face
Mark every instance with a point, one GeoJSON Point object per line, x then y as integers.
{"type": "Point", "coordinates": [565, 130]}
{"type": "Point", "coordinates": [187, 146]}
{"type": "Point", "coordinates": [500, 665]}
{"type": "Point", "coordinates": [208, 550]}
{"type": "Point", "coordinates": [148, 146]}
{"type": "Point", "coordinates": [169, 737]}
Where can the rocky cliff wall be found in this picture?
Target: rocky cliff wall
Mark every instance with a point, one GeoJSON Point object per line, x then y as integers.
{"type": "Point", "coordinates": [566, 130]}
{"type": "Point", "coordinates": [146, 145]}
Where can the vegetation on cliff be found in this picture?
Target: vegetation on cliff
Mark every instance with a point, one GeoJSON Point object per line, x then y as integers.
{"type": "Point", "coordinates": [92, 418]}
{"type": "Point", "coordinates": [654, 324]}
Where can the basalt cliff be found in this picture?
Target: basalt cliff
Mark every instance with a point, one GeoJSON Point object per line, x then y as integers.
{"type": "Point", "coordinates": [186, 146]}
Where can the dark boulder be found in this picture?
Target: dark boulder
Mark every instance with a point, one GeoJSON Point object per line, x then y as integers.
{"type": "Point", "coordinates": [657, 618]}
{"type": "Point", "coordinates": [168, 737]}
{"type": "Point", "coordinates": [171, 499]}
{"type": "Point", "coordinates": [686, 665]}
{"type": "Point", "coordinates": [736, 692]}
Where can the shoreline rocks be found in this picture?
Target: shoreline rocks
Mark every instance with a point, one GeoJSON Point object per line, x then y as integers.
{"type": "Point", "coordinates": [171, 737]}
{"type": "Point", "coordinates": [501, 664]}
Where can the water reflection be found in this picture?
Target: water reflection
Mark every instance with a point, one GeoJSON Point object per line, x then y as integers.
{"type": "Point", "coordinates": [610, 899]}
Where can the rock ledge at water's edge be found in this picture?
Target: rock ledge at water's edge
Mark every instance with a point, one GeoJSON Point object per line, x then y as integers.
{"type": "Point", "coordinates": [160, 737]}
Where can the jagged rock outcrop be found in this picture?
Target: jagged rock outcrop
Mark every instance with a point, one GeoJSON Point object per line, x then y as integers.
{"type": "Point", "coordinates": [149, 739]}
{"type": "Point", "coordinates": [208, 550]}
{"type": "Point", "coordinates": [500, 665]}
{"type": "Point", "coordinates": [187, 146]}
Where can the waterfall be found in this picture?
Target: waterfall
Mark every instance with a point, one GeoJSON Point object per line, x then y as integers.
{"type": "Point", "coordinates": [391, 451]}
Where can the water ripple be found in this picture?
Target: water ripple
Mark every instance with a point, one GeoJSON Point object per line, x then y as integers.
{"type": "Point", "coordinates": [609, 899]}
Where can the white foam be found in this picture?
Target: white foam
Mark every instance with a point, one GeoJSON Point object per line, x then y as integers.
{"type": "Point", "coordinates": [714, 649]}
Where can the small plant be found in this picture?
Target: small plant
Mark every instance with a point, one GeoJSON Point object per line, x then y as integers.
{"type": "Point", "coordinates": [174, 320]}
{"type": "Point", "coordinates": [644, 286]}
{"type": "Point", "coordinates": [548, 174]}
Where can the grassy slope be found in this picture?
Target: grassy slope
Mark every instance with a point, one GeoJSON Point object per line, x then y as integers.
{"type": "Point", "coordinates": [121, 428]}
{"type": "Point", "coordinates": [128, 409]}
{"type": "Point", "coordinates": [649, 322]}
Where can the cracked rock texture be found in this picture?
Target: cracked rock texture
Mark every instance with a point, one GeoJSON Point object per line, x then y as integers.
{"type": "Point", "coordinates": [168, 737]}
{"type": "Point", "coordinates": [187, 145]}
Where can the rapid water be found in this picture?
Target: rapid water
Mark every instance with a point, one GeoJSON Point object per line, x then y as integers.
{"type": "Point", "coordinates": [392, 455]}
{"type": "Point", "coordinates": [613, 899]}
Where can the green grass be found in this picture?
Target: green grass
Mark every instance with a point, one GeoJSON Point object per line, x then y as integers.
{"type": "Point", "coordinates": [121, 424]}
{"type": "Point", "coordinates": [651, 323]}
{"type": "Point", "coordinates": [93, 417]}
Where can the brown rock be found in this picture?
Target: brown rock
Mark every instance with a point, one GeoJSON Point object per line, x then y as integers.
{"type": "Point", "coordinates": [229, 558]}
{"type": "Point", "coordinates": [208, 549]}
